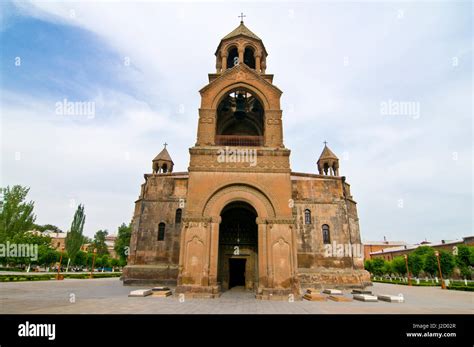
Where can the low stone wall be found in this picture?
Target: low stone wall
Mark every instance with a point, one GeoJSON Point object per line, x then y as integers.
{"type": "Point", "coordinates": [333, 278]}
{"type": "Point", "coordinates": [150, 274]}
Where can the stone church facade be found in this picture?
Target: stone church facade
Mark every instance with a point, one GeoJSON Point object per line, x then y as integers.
{"type": "Point", "coordinates": [240, 216]}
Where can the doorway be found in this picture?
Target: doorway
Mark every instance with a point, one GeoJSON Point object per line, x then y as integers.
{"type": "Point", "coordinates": [238, 246]}
{"type": "Point", "coordinates": [236, 272]}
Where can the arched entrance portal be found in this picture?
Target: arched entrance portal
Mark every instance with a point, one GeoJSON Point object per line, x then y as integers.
{"type": "Point", "coordinates": [238, 246]}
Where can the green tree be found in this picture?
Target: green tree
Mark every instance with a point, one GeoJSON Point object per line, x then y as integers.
{"type": "Point", "coordinates": [16, 215]}
{"type": "Point", "coordinates": [81, 258]}
{"type": "Point", "coordinates": [47, 256]}
{"type": "Point", "coordinates": [415, 263]}
{"type": "Point", "coordinates": [447, 262]}
{"type": "Point", "coordinates": [99, 242]}
{"type": "Point", "coordinates": [106, 260]}
{"type": "Point", "coordinates": [378, 265]}
{"type": "Point", "coordinates": [74, 238]}
{"type": "Point", "coordinates": [114, 262]}
{"type": "Point", "coordinates": [98, 262]}
{"type": "Point", "coordinates": [47, 227]}
{"type": "Point", "coordinates": [122, 243]}
{"type": "Point", "coordinates": [430, 263]}
{"type": "Point", "coordinates": [387, 268]}
{"type": "Point", "coordinates": [368, 265]}
{"type": "Point", "coordinates": [423, 250]}
{"type": "Point", "coordinates": [399, 266]}
{"type": "Point", "coordinates": [464, 258]}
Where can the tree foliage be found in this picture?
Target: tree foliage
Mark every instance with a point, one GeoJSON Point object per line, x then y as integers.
{"type": "Point", "coordinates": [99, 242]}
{"type": "Point", "coordinates": [122, 243]}
{"type": "Point", "coordinates": [74, 238]}
{"type": "Point", "coordinates": [16, 214]}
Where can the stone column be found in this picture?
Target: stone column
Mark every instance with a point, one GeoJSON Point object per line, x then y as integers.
{"type": "Point", "coordinates": [257, 63]}
{"type": "Point", "coordinates": [224, 63]}
{"type": "Point", "coordinates": [241, 55]}
{"type": "Point", "coordinates": [262, 254]}
{"type": "Point", "coordinates": [214, 250]}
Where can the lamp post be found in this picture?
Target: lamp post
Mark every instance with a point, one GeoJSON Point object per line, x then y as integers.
{"type": "Point", "coordinates": [58, 276]}
{"type": "Point", "coordinates": [93, 263]}
{"type": "Point", "coordinates": [408, 271]}
{"type": "Point", "coordinates": [443, 285]}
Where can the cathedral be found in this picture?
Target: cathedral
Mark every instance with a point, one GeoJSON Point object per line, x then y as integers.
{"type": "Point", "coordinates": [240, 216]}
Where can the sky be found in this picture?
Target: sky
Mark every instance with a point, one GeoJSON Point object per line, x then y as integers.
{"type": "Point", "coordinates": [345, 69]}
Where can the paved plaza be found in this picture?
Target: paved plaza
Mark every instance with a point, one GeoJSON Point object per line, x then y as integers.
{"type": "Point", "coordinates": [108, 295]}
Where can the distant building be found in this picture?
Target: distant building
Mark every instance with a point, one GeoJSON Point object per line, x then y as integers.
{"type": "Point", "coordinates": [450, 246]}
{"type": "Point", "coordinates": [375, 246]}
{"type": "Point", "coordinates": [110, 242]}
{"type": "Point", "coordinates": [58, 239]}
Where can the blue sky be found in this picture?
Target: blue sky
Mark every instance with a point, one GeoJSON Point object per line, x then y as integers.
{"type": "Point", "coordinates": [143, 64]}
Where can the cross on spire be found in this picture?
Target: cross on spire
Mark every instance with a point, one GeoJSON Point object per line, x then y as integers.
{"type": "Point", "coordinates": [242, 16]}
{"type": "Point", "coordinates": [325, 143]}
{"type": "Point", "coordinates": [165, 144]}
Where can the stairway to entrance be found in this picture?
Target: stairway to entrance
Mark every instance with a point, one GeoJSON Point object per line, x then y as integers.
{"type": "Point", "coordinates": [238, 292]}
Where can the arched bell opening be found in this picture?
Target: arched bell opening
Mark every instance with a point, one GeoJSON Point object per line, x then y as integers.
{"type": "Point", "coordinates": [232, 57]}
{"type": "Point", "coordinates": [240, 120]}
{"type": "Point", "coordinates": [249, 57]}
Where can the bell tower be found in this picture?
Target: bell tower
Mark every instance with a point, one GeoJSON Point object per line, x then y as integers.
{"type": "Point", "coordinates": [239, 158]}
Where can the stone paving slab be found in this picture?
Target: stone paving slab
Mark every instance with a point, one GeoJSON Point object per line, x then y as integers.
{"type": "Point", "coordinates": [108, 295]}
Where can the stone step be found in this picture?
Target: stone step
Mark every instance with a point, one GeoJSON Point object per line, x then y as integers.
{"type": "Point", "coordinates": [391, 298]}
{"type": "Point", "coordinates": [332, 291]}
{"type": "Point", "coordinates": [365, 297]}
{"type": "Point", "coordinates": [361, 291]}
{"type": "Point", "coordinates": [339, 298]}
{"type": "Point", "coordinates": [140, 293]}
{"type": "Point", "coordinates": [314, 297]}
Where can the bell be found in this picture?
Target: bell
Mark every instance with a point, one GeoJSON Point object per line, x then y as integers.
{"type": "Point", "coordinates": [240, 111]}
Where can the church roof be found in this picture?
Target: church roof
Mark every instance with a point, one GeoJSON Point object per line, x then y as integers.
{"type": "Point", "coordinates": [327, 154]}
{"type": "Point", "coordinates": [163, 155]}
{"type": "Point", "coordinates": [241, 30]}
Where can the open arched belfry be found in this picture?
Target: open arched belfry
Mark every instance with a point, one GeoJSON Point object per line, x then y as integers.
{"type": "Point", "coordinates": [239, 216]}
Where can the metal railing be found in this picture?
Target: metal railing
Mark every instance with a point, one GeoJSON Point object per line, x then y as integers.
{"type": "Point", "coordinates": [239, 140]}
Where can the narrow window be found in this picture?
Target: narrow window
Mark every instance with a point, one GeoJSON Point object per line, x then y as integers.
{"type": "Point", "coordinates": [177, 218]}
{"type": "Point", "coordinates": [161, 231]}
{"type": "Point", "coordinates": [326, 237]}
{"type": "Point", "coordinates": [307, 216]}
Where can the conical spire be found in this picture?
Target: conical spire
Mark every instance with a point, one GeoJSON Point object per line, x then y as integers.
{"type": "Point", "coordinates": [241, 30]}
{"type": "Point", "coordinates": [328, 162]}
{"type": "Point", "coordinates": [327, 153]}
{"type": "Point", "coordinates": [163, 162]}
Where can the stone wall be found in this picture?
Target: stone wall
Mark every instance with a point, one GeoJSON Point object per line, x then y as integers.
{"type": "Point", "coordinates": [150, 259]}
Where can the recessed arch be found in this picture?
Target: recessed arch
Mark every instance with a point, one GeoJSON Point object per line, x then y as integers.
{"type": "Point", "coordinates": [232, 54]}
{"type": "Point", "coordinates": [240, 85]}
{"type": "Point", "coordinates": [249, 57]}
{"type": "Point", "coordinates": [240, 113]}
{"type": "Point", "coordinates": [227, 194]}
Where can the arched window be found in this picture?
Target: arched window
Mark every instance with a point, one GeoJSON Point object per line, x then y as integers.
{"type": "Point", "coordinates": [165, 168]}
{"type": "Point", "coordinates": [232, 57]}
{"type": "Point", "coordinates": [307, 216]}
{"type": "Point", "coordinates": [177, 218]}
{"type": "Point", "coordinates": [161, 231]}
{"type": "Point", "coordinates": [326, 236]}
{"type": "Point", "coordinates": [240, 119]}
{"type": "Point", "coordinates": [249, 57]}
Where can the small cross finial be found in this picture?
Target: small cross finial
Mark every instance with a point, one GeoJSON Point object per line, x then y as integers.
{"type": "Point", "coordinates": [325, 143]}
{"type": "Point", "coordinates": [165, 144]}
{"type": "Point", "coordinates": [242, 16]}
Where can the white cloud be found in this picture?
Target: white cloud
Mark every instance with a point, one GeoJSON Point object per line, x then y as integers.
{"type": "Point", "coordinates": [171, 49]}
